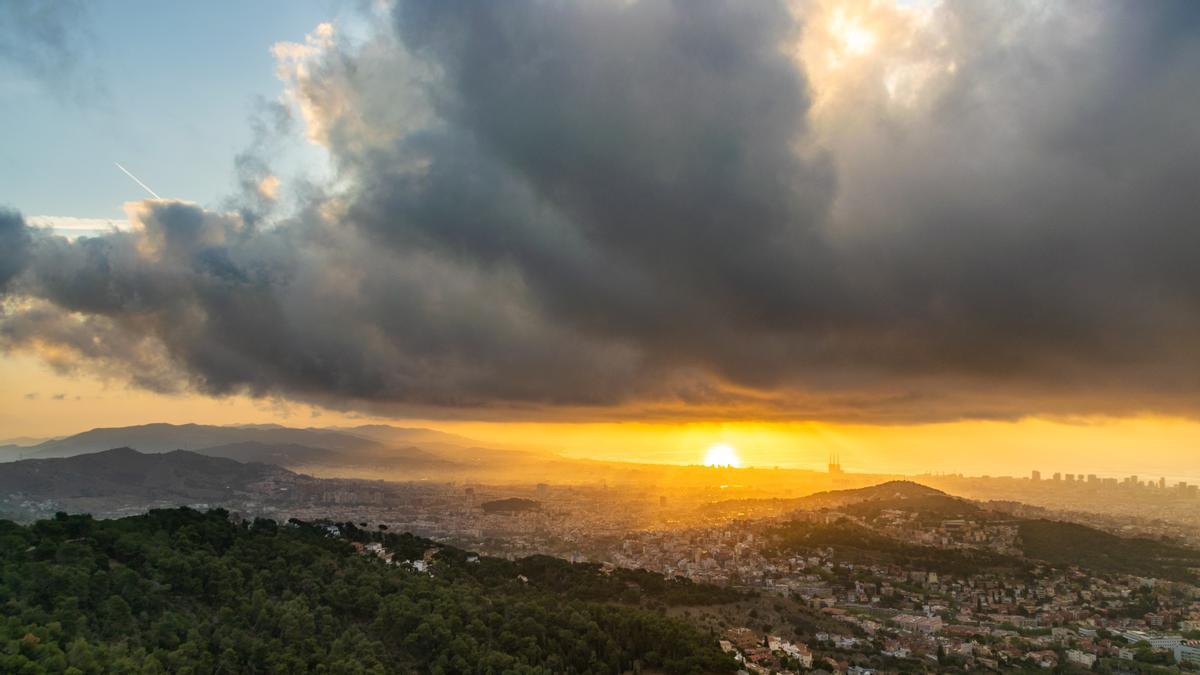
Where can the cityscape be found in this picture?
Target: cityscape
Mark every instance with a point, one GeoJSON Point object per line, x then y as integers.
{"type": "Point", "coordinates": [862, 573]}
{"type": "Point", "coordinates": [599, 337]}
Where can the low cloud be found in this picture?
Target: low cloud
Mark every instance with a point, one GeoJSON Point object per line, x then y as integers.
{"type": "Point", "coordinates": [73, 226]}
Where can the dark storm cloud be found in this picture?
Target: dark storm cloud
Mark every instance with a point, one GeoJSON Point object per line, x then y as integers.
{"type": "Point", "coordinates": [635, 162]}
{"type": "Point", "coordinates": [653, 208]}
{"type": "Point", "coordinates": [1041, 226]}
{"type": "Point", "coordinates": [195, 298]}
{"type": "Point", "coordinates": [14, 246]}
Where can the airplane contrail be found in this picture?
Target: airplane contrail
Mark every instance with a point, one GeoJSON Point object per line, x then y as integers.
{"type": "Point", "coordinates": [135, 179]}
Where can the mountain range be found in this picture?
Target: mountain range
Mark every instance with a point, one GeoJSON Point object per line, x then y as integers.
{"type": "Point", "coordinates": [122, 476]}
{"type": "Point", "coordinates": [369, 448]}
{"type": "Point", "coordinates": [368, 451]}
{"type": "Point", "coordinates": [161, 437]}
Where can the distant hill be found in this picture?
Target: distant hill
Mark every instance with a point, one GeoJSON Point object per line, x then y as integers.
{"type": "Point", "coordinates": [461, 450]}
{"type": "Point", "coordinates": [280, 454]}
{"type": "Point", "coordinates": [894, 490]}
{"type": "Point", "coordinates": [22, 441]}
{"type": "Point", "coordinates": [903, 495]}
{"type": "Point", "coordinates": [368, 449]}
{"type": "Point", "coordinates": [511, 505]}
{"type": "Point", "coordinates": [862, 544]}
{"type": "Point", "coordinates": [389, 435]}
{"type": "Point", "coordinates": [126, 476]}
{"type": "Point", "coordinates": [1063, 544]}
{"type": "Point", "coordinates": [928, 508]}
{"type": "Point", "coordinates": [294, 456]}
{"type": "Point", "coordinates": [10, 452]}
{"type": "Point", "coordinates": [1055, 542]}
{"type": "Point", "coordinates": [167, 437]}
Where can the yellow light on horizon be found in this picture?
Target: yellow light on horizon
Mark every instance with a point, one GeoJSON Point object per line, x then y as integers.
{"type": "Point", "coordinates": [722, 454]}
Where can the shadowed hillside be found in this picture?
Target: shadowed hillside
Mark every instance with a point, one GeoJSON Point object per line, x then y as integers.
{"type": "Point", "coordinates": [296, 456]}
{"type": "Point", "coordinates": [511, 505]}
{"type": "Point", "coordinates": [856, 543]}
{"type": "Point", "coordinates": [167, 437]}
{"type": "Point", "coordinates": [126, 472]}
{"type": "Point", "coordinates": [866, 501]}
{"type": "Point", "coordinates": [123, 481]}
{"type": "Point", "coordinates": [1062, 543]}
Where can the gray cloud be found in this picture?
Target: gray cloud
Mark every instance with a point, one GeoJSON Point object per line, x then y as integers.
{"type": "Point", "coordinates": [15, 242]}
{"type": "Point", "coordinates": [668, 208]}
{"type": "Point", "coordinates": [195, 298]}
{"type": "Point", "coordinates": [257, 185]}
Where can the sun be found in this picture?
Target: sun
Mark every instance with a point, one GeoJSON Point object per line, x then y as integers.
{"type": "Point", "coordinates": [722, 454]}
{"type": "Point", "coordinates": [853, 38]}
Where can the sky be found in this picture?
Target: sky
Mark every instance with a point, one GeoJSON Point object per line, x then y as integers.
{"type": "Point", "coordinates": [168, 91]}
{"type": "Point", "coordinates": [930, 236]}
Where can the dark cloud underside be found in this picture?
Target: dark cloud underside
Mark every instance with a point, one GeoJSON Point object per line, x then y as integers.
{"type": "Point", "coordinates": [655, 208]}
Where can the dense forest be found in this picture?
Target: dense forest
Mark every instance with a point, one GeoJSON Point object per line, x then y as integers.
{"type": "Point", "coordinates": [1057, 543]}
{"type": "Point", "coordinates": [578, 581]}
{"type": "Point", "coordinates": [510, 505]}
{"type": "Point", "coordinates": [1062, 543]}
{"type": "Point", "coordinates": [188, 592]}
{"type": "Point", "coordinates": [856, 543]}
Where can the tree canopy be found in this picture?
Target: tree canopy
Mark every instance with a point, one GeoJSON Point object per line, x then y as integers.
{"type": "Point", "coordinates": [181, 591]}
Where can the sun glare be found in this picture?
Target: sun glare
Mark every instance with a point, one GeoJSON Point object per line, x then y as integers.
{"type": "Point", "coordinates": [722, 454]}
{"type": "Point", "coordinates": [852, 37]}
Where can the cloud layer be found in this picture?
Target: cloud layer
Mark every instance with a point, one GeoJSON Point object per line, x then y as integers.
{"type": "Point", "coordinates": [835, 211]}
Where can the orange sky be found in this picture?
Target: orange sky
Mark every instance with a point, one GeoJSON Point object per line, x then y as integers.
{"type": "Point", "coordinates": [35, 401]}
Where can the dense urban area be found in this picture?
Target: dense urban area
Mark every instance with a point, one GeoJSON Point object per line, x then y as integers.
{"type": "Point", "coordinates": [850, 573]}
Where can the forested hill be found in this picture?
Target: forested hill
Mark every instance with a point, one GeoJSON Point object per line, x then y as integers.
{"type": "Point", "coordinates": [578, 581]}
{"type": "Point", "coordinates": [1065, 544]}
{"type": "Point", "coordinates": [510, 505]}
{"type": "Point", "coordinates": [125, 474]}
{"type": "Point", "coordinates": [182, 591]}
